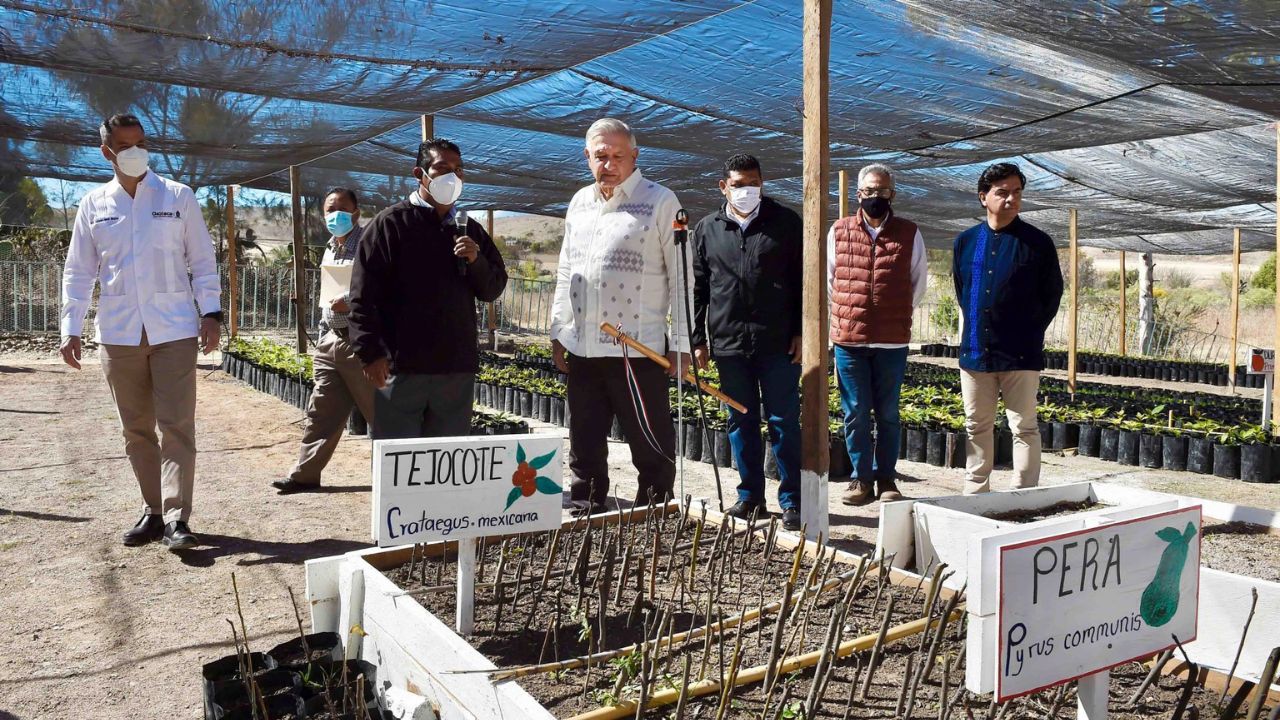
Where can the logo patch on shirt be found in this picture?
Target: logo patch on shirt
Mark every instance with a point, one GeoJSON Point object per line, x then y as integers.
{"type": "Point", "coordinates": [170, 214]}
{"type": "Point", "coordinates": [109, 218]}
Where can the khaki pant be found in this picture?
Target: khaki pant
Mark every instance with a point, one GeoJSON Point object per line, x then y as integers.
{"type": "Point", "coordinates": [156, 385]}
{"type": "Point", "coordinates": [340, 385]}
{"type": "Point", "coordinates": [980, 391]}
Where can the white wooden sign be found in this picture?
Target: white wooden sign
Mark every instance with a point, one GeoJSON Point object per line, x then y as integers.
{"type": "Point", "coordinates": [1084, 601]}
{"type": "Point", "coordinates": [432, 489]}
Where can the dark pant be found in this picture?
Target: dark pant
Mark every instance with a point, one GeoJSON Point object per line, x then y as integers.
{"type": "Point", "coordinates": [419, 406]}
{"type": "Point", "coordinates": [597, 391]}
{"type": "Point", "coordinates": [775, 380]}
{"type": "Point", "coordinates": [871, 382]}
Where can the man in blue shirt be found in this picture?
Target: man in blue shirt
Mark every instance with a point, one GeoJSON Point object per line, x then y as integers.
{"type": "Point", "coordinates": [1008, 285]}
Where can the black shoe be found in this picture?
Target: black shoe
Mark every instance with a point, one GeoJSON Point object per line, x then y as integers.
{"type": "Point", "coordinates": [744, 509]}
{"type": "Point", "coordinates": [584, 508]}
{"type": "Point", "coordinates": [290, 486]}
{"type": "Point", "coordinates": [149, 529]}
{"type": "Point", "coordinates": [791, 519]}
{"type": "Point", "coordinates": [178, 536]}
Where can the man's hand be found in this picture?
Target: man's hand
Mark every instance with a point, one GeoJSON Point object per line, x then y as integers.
{"type": "Point", "coordinates": [467, 249]}
{"type": "Point", "coordinates": [339, 305]}
{"type": "Point", "coordinates": [558, 357]}
{"type": "Point", "coordinates": [377, 371]}
{"type": "Point", "coordinates": [680, 363]}
{"type": "Point", "coordinates": [210, 329]}
{"type": "Point", "coordinates": [71, 351]}
{"type": "Point", "coordinates": [701, 357]}
{"type": "Point", "coordinates": [797, 349]}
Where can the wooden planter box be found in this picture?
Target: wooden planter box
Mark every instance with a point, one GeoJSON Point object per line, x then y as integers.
{"type": "Point", "coordinates": [953, 529]}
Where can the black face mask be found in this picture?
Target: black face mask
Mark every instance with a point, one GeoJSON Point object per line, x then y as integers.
{"type": "Point", "coordinates": [876, 207]}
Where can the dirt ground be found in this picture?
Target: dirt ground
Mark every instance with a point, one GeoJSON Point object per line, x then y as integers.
{"type": "Point", "coordinates": [92, 629]}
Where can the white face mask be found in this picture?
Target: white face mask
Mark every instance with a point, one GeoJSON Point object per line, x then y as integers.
{"type": "Point", "coordinates": [745, 199]}
{"type": "Point", "coordinates": [132, 162]}
{"type": "Point", "coordinates": [445, 189]}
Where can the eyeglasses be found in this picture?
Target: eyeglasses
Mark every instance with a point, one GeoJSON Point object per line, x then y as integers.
{"type": "Point", "coordinates": [875, 192]}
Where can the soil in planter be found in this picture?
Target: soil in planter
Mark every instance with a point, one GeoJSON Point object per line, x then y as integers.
{"type": "Point", "coordinates": [1241, 548]}
{"type": "Point", "coordinates": [564, 620]}
{"type": "Point", "coordinates": [1052, 511]}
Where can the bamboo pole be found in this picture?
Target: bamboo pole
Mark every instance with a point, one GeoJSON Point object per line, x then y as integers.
{"type": "Point", "coordinates": [664, 364]}
{"type": "Point", "coordinates": [1235, 306]}
{"type": "Point", "coordinates": [233, 265]}
{"type": "Point", "coordinates": [299, 258]}
{"type": "Point", "coordinates": [814, 414]}
{"type": "Point", "coordinates": [1074, 314]}
{"type": "Point", "coordinates": [757, 673]}
{"type": "Point", "coordinates": [1124, 315]}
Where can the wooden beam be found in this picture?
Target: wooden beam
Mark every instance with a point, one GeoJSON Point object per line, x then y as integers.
{"type": "Point", "coordinates": [428, 127]}
{"type": "Point", "coordinates": [233, 265]}
{"type": "Point", "coordinates": [814, 414]}
{"type": "Point", "coordinates": [489, 311]}
{"type": "Point", "coordinates": [1235, 307]}
{"type": "Point", "coordinates": [1124, 315]}
{"type": "Point", "coordinates": [299, 257]}
{"type": "Point", "coordinates": [1275, 387]}
{"type": "Point", "coordinates": [844, 193]}
{"type": "Point", "coordinates": [1074, 310]}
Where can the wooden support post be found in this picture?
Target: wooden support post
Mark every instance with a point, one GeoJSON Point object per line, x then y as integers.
{"type": "Point", "coordinates": [466, 596]}
{"type": "Point", "coordinates": [1091, 702]}
{"type": "Point", "coordinates": [490, 310]}
{"type": "Point", "coordinates": [1275, 406]}
{"type": "Point", "coordinates": [233, 265]}
{"type": "Point", "coordinates": [1124, 315]}
{"type": "Point", "coordinates": [844, 193]}
{"type": "Point", "coordinates": [815, 448]}
{"type": "Point", "coordinates": [1073, 313]}
{"type": "Point", "coordinates": [428, 127]}
{"type": "Point", "coordinates": [1235, 307]}
{"type": "Point", "coordinates": [299, 258]}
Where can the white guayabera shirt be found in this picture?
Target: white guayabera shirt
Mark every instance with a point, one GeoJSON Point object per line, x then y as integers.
{"type": "Point", "coordinates": [618, 265]}
{"type": "Point", "coordinates": [141, 250]}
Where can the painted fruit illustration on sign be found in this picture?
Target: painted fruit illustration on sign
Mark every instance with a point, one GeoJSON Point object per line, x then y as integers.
{"type": "Point", "coordinates": [1160, 599]}
{"type": "Point", "coordinates": [526, 479]}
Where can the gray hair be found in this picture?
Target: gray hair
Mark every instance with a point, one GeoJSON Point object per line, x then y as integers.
{"type": "Point", "coordinates": [875, 169]}
{"type": "Point", "coordinates": [610, 126]}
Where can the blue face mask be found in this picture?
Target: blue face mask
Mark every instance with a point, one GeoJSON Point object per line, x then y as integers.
{"type": "Point", "coordinates": [339, 222]}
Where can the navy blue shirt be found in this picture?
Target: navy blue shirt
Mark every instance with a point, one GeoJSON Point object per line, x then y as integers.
{"type": "Point", "coordinates": [1008, 285]}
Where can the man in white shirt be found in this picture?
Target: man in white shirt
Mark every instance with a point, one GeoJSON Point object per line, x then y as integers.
{"type": "Point", "coordinates": [877, 270]}
{"type": "Point", "coordinates": [618, 264]}
{"type": "Point", "coordinates": [139, 236]}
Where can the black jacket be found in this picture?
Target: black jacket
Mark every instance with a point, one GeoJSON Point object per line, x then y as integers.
{"type": "Point", "coordinates": [746, 287]}
{"type": "Point", "coordinates": [408, 300]}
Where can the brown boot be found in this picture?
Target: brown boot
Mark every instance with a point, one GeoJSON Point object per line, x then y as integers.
{"type": "Point", "coordinates": [888, 491]}
{"type": "Point", "coordinates": [859, 493]}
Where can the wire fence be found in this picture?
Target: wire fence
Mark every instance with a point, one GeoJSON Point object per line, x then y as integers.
{"type": "Point", "coordinates": [30, 296]}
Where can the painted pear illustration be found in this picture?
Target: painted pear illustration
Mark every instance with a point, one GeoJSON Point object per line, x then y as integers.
{"type": "Point", "coordinates": [1160, 599]}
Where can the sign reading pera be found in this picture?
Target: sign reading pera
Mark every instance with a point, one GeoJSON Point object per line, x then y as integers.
{"type": "Point", "coordinates": [465, 487]}
{"type": "Point", "coordinates": [1088, 600]}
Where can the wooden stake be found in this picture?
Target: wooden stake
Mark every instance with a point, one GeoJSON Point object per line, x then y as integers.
{"type": "Point", "coordinates": [299, 257]}
{"type": "Point", "coordinates": [1074, 308]}
{"type": "Point", "coordinates": [233, 265]}
{"type": "Point", "coordinates": [1275, 388]}
{"type": "Point", "coordinates": [1235, 311]}
{"type": "Point", "coordinates": [814, 413]}
{"type": "Point", "coordinates": [1124, 315]}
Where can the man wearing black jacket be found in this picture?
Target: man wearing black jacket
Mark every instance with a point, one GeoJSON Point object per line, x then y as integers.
{"type": "Point", "coordinates": [414, 287]}
{"type": "Point", "coordinates": [747, 279]}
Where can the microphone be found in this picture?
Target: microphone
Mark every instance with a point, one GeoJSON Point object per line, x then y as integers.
{"type": "Point", "coordinates": [460, 221]}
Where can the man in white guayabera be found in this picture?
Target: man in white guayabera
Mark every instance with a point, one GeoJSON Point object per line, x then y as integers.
{"type": "Point", "coordinates": [143, 238]}
{"type": "Point", "coordinates": [618, 265]}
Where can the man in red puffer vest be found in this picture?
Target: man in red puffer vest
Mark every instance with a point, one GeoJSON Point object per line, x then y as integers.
{"type": "Point", "coordinates": [876, 275]}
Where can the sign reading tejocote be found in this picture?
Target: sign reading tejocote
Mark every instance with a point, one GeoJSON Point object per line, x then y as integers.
{"type": "Point", "coordinates": [1077, 603]}
{"type": "Point", "coordinates": [433, 489]}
